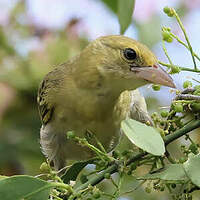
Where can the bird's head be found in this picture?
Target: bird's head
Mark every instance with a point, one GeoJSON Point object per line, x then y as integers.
{"type": "Point", "coordinates": [125, 62]}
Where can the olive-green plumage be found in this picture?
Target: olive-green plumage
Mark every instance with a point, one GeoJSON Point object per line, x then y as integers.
{"type": "Point", "coordinates": [93, 92]}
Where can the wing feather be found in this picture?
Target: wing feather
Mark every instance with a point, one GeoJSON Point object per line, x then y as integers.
{"type": "Point", "coordinates": [48, 87]}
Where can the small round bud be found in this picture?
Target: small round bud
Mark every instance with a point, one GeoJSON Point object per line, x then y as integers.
{"type": "Point", "coordinates": [164, 113]}
{"type": "Point", "coordinates": [129, 172]}
{"type": "Point", "coordinates": [197, 87]}
{"type": "Point", "coordinates": [174, 69]}
{"type": "Point", "coordinates": [154, 114]}
{"type": "Point", "coordinates": [162, 133]}
{"type": "Point", "coordinates": [169, 39]}
{"type": "Point", "coordinates": [197, 92]}
{"type": "Point", "coordinates": [70, 135]}
{"type": "Point", "coordinates": [193, 148]}
{"type": "Point", "coordinates": [148, 123]}
{"type": "Point", "coordinates": [178, 107]}
{"type": "Point", "coordinates": [44, 167]}
{"type": "Point", "coordinates": [107, 175]}
{"type": "Point", "coordinates": [168, 29]}
{"type": "Point", "coordinates": [116, 154]}
{"type": "Point", "coordinates": [187, 84]}
{"type": "Point", "coordinates": [165, 35]}
{"type": "Point", "coordinates": [171, 13]}
{"type": "Point", "coordinates": [148, 190]}
{"type": "Point", "coordinates": [166, 132]}
{"type": "Point", "coordinates": [166, 9]}
{"type": "Point", "coordinates": [196, 106]}
{"type": "Point", "coordinates": [162, 123]}
{"type": "Point", "coordinates": [133, 166]}
{"type": "Point", "coordinates": [156, 87]}
{"type": "Point", "coordinates": [96, 194]}
{"type": "Point", "coordinates": [125, 152]}
{"type": "Point", "coordinates": [182, 159]}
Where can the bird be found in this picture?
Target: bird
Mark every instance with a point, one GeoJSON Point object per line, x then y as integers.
{"type": "Point", "coordinates": [94, 92]}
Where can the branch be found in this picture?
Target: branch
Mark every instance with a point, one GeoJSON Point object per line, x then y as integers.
{"type": "Point", "coordinates": [114, 167]}
{"type": "Point", "coordinates": [177, 134]}
{"type": "Point", "coordinates": [186, 37]}
{"type": "Point", "coordinates": [187, 97]}
{"type": "Point", "coordinates": [182, 68]}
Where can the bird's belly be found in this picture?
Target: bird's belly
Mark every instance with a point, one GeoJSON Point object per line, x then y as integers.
{"type": "Point", "coordinates": [54, 141]}
{"type": "Point", "coordinates": [105, 131]}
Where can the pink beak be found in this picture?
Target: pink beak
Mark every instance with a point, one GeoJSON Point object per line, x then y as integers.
{"type": "Point", "coordinates": [154, 74]}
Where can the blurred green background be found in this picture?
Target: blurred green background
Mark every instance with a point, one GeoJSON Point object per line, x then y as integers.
{"type": "Point", "coordinates": [37, 35]}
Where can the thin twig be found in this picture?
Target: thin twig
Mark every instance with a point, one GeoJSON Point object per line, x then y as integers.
{"type": "Point", "coordinates": [165, 51]}
{"type": "Point", "coordinates": [182, 68]}
{"type": "Point", "coordinates": [113, 182]}
{"type": "Point", "coordinates": [55, 197]}
{"type": "Point", "coordinates": [99, 153]}
{"type": "Point", "coordinates": [186, 37]}
{"type": "Point", "coordinates": [63, 169]}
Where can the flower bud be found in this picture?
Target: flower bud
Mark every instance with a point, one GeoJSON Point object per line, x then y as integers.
{"type": "Point", "coordinates": [187, 84]}
{"type": "Point", "coordinates": [156, 87]}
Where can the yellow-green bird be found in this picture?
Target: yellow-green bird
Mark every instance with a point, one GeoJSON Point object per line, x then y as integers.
{"type": "Point", "coordinates": [93, 92]}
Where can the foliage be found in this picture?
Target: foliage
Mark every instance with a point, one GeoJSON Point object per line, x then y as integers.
{"type": "Point", "coordinates": [139, 135]}
{"type": "Point", "coordinates": [125, 10]}
{"type": "Point", "coordinates": [164, 172]}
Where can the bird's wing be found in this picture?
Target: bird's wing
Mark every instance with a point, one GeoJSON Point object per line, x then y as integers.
{"type": "Point", "coordinates": [138, 108]}
{"type": "Point", "coordinates": [47, 94]}
{"type": "Point", "coordinates": [44, 106]}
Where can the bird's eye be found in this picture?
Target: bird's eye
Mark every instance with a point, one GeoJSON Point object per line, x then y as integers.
{"type": "Point", "coordinates": [130, 54]}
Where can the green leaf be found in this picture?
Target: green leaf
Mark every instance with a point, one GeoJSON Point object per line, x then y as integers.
{"type": "Point", "coordinates": [143, 136]}
{"type": "Point", "coordinates": [173, 172]}
{"type": "Point", "coordinates": [72, 173]}
{"type": "Point", "coordinates": [24, 187]}
{"type": "Point", "coordinates": [125, 12]}
{"type": "Point", "coordinates": [44, 194]}
{"type": "Point", "coordinates": [192, 168]}
{"type": "Point", "coordinates": [111, 4]}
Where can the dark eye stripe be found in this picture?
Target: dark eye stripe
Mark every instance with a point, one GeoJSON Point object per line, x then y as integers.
{"type": "Point", "coordinates": [130, 54]}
